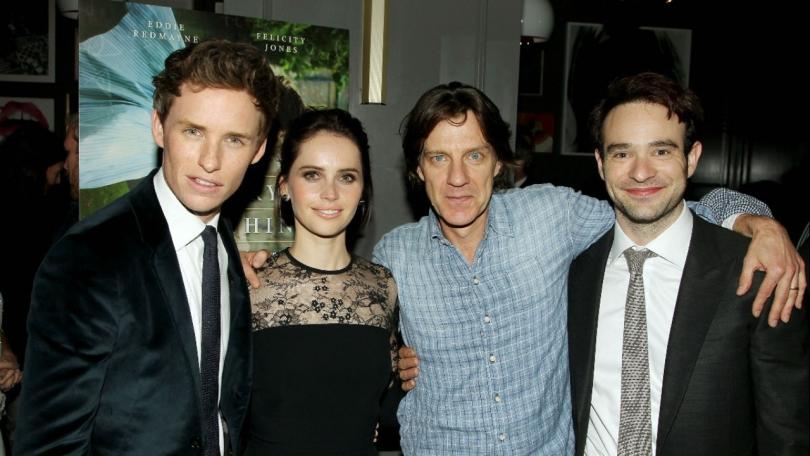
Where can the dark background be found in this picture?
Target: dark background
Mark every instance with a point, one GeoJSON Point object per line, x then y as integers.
{"type": "Point", "coordinates": [64, 91]}
{"type": "Point", "coordinates": [749, 66]}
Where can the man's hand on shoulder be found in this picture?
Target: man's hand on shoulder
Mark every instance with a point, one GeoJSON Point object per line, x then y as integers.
{"type": "Point", "coordinates": [771, 251]}
{"type": "Point", "coordinates": [408, 367]}
{"type": "Point", "coordinates": [250, 262]}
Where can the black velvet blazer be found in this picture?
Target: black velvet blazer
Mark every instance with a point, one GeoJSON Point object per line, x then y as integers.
{"type": "Point", "coordinates": [112, 362]}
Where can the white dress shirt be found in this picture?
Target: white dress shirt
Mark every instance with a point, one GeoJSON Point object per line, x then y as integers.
{"type": "Point", "coordinates": [186, 229]}
{"type": "Point", "coordinates": [662, 278]}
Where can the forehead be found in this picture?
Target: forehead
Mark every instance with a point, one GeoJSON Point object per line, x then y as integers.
{"type": "Point", "coordinates": [641, 122]}
{"type": "Point", "coordinates": [456, 134]}
{"type": "Point", "coordinates": [216, 108]}
{"type": "Point", "coordinates": [327, 149]}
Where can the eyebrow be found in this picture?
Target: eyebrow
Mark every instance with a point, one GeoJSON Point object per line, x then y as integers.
{"type": "Point", "coordinates": [658, 143]}
{"type": "Point", "coordinates": [318, 168]}
{"type": "Point", "coordinates": [187, 123]}
{"type": "Point", "coordinates": [483, 146]}
{"type": "Point", "coordinates": [663, 142]}
{"type": "Point", "coordinates": [617, 146]}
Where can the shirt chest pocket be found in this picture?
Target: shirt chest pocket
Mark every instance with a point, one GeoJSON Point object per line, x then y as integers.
{"type": "Point", "coordinates": [431, 315]}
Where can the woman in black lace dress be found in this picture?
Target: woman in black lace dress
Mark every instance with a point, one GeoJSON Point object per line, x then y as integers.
{"type": "Point", "coordinates": [323, 319]}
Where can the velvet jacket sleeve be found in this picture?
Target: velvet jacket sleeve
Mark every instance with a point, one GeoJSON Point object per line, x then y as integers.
{"type": "Point", "coordinates": [72, 331]}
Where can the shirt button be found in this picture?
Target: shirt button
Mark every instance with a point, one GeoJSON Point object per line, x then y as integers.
{"type": "Point", "coordinates": [498, 399]}
{"type": "Point", "coordinates": [501, 436]}
{"type": "Point", "coordinates": [492, 358]}
{"type": "Point", "coordinates": [487, 319]}
{"type": "Point", "coordinates": [476, 281]}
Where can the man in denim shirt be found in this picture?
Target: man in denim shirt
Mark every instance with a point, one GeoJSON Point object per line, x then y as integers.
{"type": "Point", "coordinates": [483, 283]}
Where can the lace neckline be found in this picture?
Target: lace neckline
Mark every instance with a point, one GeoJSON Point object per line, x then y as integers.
{"type": "Point", "coordinates": [301, 265]}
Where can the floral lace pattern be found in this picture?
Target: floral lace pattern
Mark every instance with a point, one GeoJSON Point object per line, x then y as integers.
{"type": "Point", "coordinates": [292, 293]}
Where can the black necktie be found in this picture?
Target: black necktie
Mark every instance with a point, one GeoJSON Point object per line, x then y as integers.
{"type": "Point", "coordinates": [209, 357]}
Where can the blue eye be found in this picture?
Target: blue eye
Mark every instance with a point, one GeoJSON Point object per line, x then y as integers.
{"type": "Point", "coordinates": [438, 158]}
{"type": "Point", "coordinates": [476, 155]}
{"type": "Point", "coordinates": [235, 141]}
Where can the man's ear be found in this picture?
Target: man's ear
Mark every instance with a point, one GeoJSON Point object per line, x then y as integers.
{"type": "Point", "coordinates": [259, 152]}
{"type": "Point", "coordinates": [693, 157]}
{"type": "Point", "coordinates": [599, 164]}
{"type": "Point", "coordinates": [157, 129]}
{"type": "Point", "coordinates": [419, 173]}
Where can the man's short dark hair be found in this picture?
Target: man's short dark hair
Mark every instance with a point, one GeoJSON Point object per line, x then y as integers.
{"type": "Point", "coordinates": [447, 102]}
{"type": "Point", "coordinates": [220, 64]}
{"type": "Point", "coordinates": [651, 88]}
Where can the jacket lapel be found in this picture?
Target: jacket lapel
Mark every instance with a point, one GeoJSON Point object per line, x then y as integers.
{"type": "Point", "coordinates": [238, 298]}
{"type": "Point", "coordinates": [155, 233]}
{"type": "Point", "coordinates": [585, 291]}
{"type": "Point", "coordinates": [237, 370]}
{"type": "Point", "coordinates": [694, 311]}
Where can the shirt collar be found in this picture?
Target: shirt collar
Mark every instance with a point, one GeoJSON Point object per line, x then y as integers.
{"type": "Point", "coordinates": [671, 245]}
{"type": "Point", "coordinates": [184, 226]}
{"type": "Point", "coordinates": [499, 221]}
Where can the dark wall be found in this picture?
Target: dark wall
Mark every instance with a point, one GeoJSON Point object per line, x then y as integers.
{"type": "Point", "coordinates": [749, 65]}
{"type": "Point", "coordinates": [64, 90]}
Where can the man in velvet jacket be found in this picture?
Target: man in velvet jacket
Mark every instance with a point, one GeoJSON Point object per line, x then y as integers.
{"type": "Point", "coordinates": [114, 349]}
{"type": "Point", "coordinates": [721, 381]}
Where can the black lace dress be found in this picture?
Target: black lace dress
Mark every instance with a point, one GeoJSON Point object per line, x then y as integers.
{"type": "Point", "coordinates": [323, 354]}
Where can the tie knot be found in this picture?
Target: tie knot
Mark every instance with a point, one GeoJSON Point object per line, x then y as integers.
{"type": "Point", "coordinates": [635, 259]}
{"type": "Point", "coordinates": [209, 236]}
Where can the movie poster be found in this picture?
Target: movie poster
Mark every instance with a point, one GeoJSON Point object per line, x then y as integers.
{"type": "Point", "coordinates": [123, 45]}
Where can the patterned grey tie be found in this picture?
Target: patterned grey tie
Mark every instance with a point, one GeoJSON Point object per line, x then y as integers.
{"type": "Point", "coordinates": [635, 425]}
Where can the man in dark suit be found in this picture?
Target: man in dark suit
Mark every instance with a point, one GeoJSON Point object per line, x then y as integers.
{"type": "Point", "coordinates": [665, 357]}
{"type": "Point", "coordinates": [147, 352]}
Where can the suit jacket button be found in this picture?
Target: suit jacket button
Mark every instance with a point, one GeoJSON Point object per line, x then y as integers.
{"type": "Point", "coordinates": [196, 444]}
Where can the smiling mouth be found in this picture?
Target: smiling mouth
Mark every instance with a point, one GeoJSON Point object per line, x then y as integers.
{"type": "Point", "coordinates": [328, 213]}
{"type": "Point", "coordinates": [643, 192]}
{"type": "Point", "coordinates": [203, 184]}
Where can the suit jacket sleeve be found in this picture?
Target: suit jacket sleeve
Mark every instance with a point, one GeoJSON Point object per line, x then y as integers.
{"type": "Point", "coordinates": [72, 332]}
{"type": "Point", "coordinates": [779, 367]}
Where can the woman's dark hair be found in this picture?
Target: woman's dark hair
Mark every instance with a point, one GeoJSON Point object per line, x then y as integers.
{"type": "Point", "coordinates": [307, 125]}
{"type": "Point", "coordinates": [448, 102]}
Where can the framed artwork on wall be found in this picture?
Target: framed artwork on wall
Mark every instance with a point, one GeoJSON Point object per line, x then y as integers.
{"type": "Point", "coordinates": [535, 132]}
{"type": "Point", "coordinates": [27, 41]}
{"type": "Point", "coordinates": [20, 108]}
{"type": "Point", "coordinates": [596, 54]}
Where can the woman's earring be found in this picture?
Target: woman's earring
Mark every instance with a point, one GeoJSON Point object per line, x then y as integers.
{"type": "Point", "coordinates": [285, 197]}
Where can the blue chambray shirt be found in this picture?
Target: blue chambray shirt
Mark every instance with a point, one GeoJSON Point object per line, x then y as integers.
{"type": "Point", "coordinates": [491, 337]}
